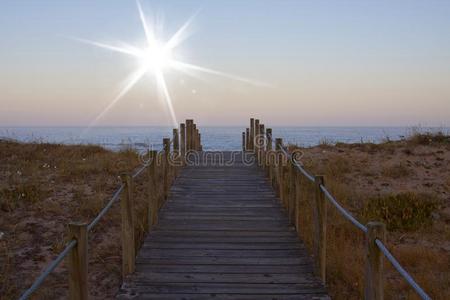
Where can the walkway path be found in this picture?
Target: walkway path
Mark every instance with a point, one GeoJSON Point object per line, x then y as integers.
{"type": "Point", "coordinates": [223, 235]}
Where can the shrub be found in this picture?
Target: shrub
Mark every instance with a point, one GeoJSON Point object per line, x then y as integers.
{"type": "Point", "coordinates": [428, 138]}
{"type": "Point", "coordinates": [24, 193]}
{"type": "Point", "coordinates": [403, 211]}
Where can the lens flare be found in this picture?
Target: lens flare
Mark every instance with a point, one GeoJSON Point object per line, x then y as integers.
{"type": "Point", "coordinates": [154, 59]}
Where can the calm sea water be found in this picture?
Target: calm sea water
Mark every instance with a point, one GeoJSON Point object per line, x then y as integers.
{"type": "Point", "coordinates": [213, 138]}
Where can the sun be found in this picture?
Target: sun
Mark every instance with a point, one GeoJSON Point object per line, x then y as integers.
{"type": "Point", "coordinates": [154, 59]}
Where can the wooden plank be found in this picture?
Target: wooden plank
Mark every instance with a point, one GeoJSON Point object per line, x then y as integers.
{"type": "Point", "coordinates": [234, 288]}
{"type": "Point", "coordinates": [267, 278]}
{"type": "Point", "coordinates": [249, 261]}
{"type": "Point", "coordinates": [207, 233]}
{"type": "Point", "coordinates": [242, 269]}
{"type": "Point", "coordinates": [221, 245]}
{"type": "Point", "coordinates": [168, 253]}
{"type": "Point", "coordinates": [221, 239]}
{"type": "Point", "coordinates": [314, 296]}
{"type": "Point", "coordinates": [223, 234]}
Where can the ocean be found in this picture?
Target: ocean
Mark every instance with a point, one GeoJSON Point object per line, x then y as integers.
{"type": "Point", "coordinates": [213, 138]}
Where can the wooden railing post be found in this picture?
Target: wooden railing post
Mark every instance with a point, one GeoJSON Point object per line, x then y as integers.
{"type": "Point", "coordinates": [292, 191]}
{"type": "Point", "coordinates": [269, 139]}
{"type": "Point", "coordinates": [197, 139]}
{"type": "Point", "coordinates": [255, 138]}
{"type": "Point", "coordinates": [247, 139]}
{"type": "Point", "coordinates": [320, 234]}
{"type": "Point", "coordinates": [194, 137]}
{"type": "Point", "coordinates": [153, 190]}
{"type": "Point", "coordinates": [269, 154]}
{"type": "Point", "coordinates": [176, 142]}
{"type": "Point", "coordinates": [298, 191]}
{"type": "Point", "coordinates": [243, 141]}
{"type": "Point", "coordinates": [189, 135]}
{"type": "Point", "coordinates": [183, 142]}
{"type": "Point", "coordinates": [285, 182]}
{"type": "Point", "coordinates": [252, 133]}
{"type": "Point", "coordinates": [279, 166]}
{"type": "Point", "coordinates": [166, 147]}
{"type": "Point", "coordinates": [127, 212]}
{"type": "Point", "coordinates": [176, 150]}
{"type": "Point", "coordinates": [261, 139]}
{"type": "Point", "coordinates": [374, 266]}
{"type": "Point", "coordinates": [78, 262]}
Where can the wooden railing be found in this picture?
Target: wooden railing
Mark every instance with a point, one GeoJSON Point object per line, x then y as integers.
{"type": "Point", "coordinates": [285, 173]}
{"type": "Point", "coordinates": [162, 169]}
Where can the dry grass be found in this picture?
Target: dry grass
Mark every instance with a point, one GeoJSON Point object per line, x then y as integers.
{"type": "Point", "coordinates": [406, 185]}
{"type": "Point", "coordinates": [43, 187]}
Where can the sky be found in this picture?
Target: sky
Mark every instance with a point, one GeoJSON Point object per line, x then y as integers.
{"type": "Point", "coordinates": [311, 63]}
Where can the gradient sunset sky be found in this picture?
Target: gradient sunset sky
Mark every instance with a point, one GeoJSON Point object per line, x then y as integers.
{"type": "Point", "coordinates": [323, 63]}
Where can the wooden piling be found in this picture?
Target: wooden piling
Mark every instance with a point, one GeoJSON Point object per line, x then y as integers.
{"type": "Point", "coordinates": [128, 217]}
{"type": "Point", "coordinates": [252, 133]}
{"type": "Point", "coordinates": [183, 141]}
{"type": "Point", "coordinates": [166, 145]}
{"type": "Point", "coordinates": [279, 166]}
{"type": "Point", "coordinates": [292, 192]}
{"type": "Point", "coordinates": [197, 139]}
{"type": "Point", "coordinates": [78, 262]}
{"type": "Point", "coordinates": [153, 189]}
{"type": "Point", "coordinates": [298, 191]}
{"type": "Point", "coordinates": [247, 139]}
{"type": "Point", "coordinates": [256, 137]}
{"type": "Point", "coordinates": [374, 266]}
{"type": "Point", "coordinates": [176, 143]}
{"type": "Point", "coordinates": [176, 151]}
{"type": "Point", "coordinates": [320, 228]}
{"type": "Point", "coordinates": [189, 135]}
{"type": "Point", "coordinates": [193, 135]}
{"type": "Point", "coordinates": [262, 142]}
{"type": "Point", "coordinates": [269, 154]}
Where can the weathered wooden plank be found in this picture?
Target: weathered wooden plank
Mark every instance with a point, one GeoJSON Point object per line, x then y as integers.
{"type": "Point", "coordinates": [215, 296]}
{"type": "Point", "coordinates": [267, 278]}
{"type": "Point", "coordinates": [221, 245]}
{"type": "Point", "coordinates": [219, 234]}
{"type": "Point", "coordinates": [188, 218]}
{"type": "Point", "coordinates": [212, 239]}
{"type": "Point", "coordinates": [222, 227]}
{"type": "Point", "coordinates": [229, 269]}
{"type": "Point", "coordinates": [259, 253]}
{"type": "Point", "coordinates": [235, 288]}
{"type": "Point", "coordinates": [222, 234]}
{"type": "Point", "coordinates": [225, 210]}
{"type": "Point", "coordinates": [146, 258]}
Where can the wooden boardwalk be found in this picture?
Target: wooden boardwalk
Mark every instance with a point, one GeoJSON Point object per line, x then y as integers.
{"type": "Point", "coordinates": [222, 235]}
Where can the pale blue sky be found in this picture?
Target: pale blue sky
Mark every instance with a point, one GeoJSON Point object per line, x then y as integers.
{"type": "Point", "coordinates": [329, 62]}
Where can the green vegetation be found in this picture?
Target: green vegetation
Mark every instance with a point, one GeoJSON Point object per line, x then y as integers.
{"type": "Point", "coordinates": [402, 211]}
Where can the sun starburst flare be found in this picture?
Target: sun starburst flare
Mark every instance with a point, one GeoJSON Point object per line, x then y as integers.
{"type": "Point", "coordinates": [156, 57]}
